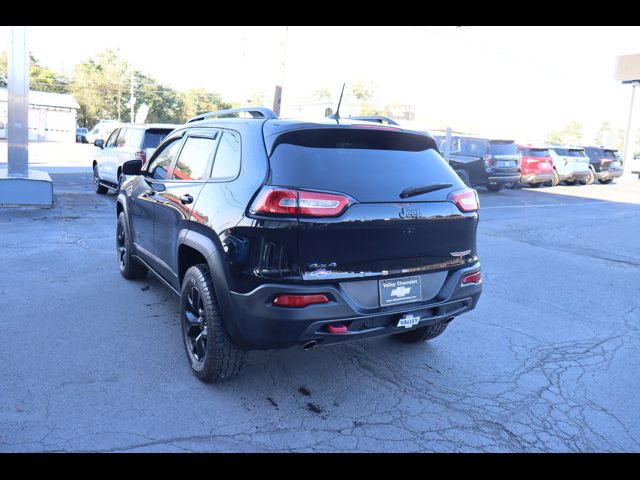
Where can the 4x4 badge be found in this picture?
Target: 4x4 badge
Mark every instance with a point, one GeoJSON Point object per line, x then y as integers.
{"type": "Point", "coordinates": [460, 254]}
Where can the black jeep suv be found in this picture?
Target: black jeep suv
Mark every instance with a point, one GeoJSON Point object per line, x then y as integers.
{"type": "Point", "coordinates": [278, 233]}
{"type": "Point", "coordinates": [483, 162]}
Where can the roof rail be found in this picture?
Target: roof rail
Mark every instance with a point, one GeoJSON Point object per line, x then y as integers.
{"type": "Point", "coordinates": [256, 112]}
{"type": "Point", "coordinates": [375, 118]}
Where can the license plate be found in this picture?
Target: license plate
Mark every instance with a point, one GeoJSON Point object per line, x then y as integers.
{"type": "Point", "coordinates": [408, 321]}
{"type": "Point", "coordinates": [505, 164]}
{"type": "Point", "coordinates": [400, 290]}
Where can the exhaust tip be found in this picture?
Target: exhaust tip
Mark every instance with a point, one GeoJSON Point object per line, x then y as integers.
{"type": "Point", "coordinates": [309, 345]}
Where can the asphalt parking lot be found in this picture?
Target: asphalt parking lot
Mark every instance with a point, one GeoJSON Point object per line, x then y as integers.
{"type": "Point", "coordinates": [547, 362]}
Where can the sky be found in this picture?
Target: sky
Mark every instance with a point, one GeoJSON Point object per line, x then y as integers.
{"type": "Point", "coordinates": [517, 82]}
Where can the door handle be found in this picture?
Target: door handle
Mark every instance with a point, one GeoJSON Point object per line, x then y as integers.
{"type": "Point", "coordinates": [186, 199]}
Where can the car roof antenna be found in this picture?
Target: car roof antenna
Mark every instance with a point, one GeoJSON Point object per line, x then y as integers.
{"type": "Point", "coordinates": [336, 116]}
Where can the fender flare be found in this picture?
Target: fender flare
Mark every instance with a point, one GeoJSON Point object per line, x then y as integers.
{"type": "Point", "coordinates": [218, 268]}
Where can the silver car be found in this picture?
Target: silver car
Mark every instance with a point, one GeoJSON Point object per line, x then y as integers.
{"type": "Point", "coordinates": [570, 164]}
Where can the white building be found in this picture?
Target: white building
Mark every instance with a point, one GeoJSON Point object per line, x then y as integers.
{"type": "Point", "coordinates": [52, 116]}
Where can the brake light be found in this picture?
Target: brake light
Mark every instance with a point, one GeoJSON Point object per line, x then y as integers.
{"type": "Point", "coordinates": [376, 127]}
{"type": "Point", "coordinates": [472, 278]}
{"type": "Point", "coordinates": [466, 200]}
{"type": "Point", "coordinates": [285, 201]}
{"type": "Point", "coordinates": [299, 301]}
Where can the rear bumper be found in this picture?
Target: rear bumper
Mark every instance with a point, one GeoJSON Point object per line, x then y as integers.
{"type": "Point", "coordinates": [573, 176]}
{"type": "Point", "coordinates": [260, 325]}
{"type": "Point", "coordinates": [504, 179]}
{"type": "Point", "coordinates": [607, 174]}
{"type": "Point", "coordinates": [537, 177]}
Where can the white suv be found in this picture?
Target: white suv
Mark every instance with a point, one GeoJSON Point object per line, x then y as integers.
{"type": "Point", "coordinates": [570, 164]}
{"type": "Point", "coordinates": [127, 142]}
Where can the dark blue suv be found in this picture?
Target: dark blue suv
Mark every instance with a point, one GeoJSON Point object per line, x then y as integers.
{"type": "Point", "coordinates": [276, 233]}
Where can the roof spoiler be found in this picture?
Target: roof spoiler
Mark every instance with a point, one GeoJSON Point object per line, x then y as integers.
{"type": "Point", "coordinates": [255, 112]}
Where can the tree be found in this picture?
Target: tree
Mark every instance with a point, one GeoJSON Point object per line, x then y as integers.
{"type": "Point", "coordinates": [321, 95]}
{"type": "Point", "coordinates": [604, 132]}
{"type": "Point", "coordinates": [571, 134]}
{"type": "Point", "coordinates": [199, 100]}
{"type": "Point", "coordinates": [257, 98]}
{"type": "Point", "coordinates": [41, 78]}
{"type": "Point", "coordinates": [165, 103]}
{"type": "Point", "coordinates": [363, 92]}
{"type": "Point", "coordinates": [101, 88]}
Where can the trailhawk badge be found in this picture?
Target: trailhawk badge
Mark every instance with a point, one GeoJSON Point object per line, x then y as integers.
{"type": "Point", "coordinates": [460, 254]}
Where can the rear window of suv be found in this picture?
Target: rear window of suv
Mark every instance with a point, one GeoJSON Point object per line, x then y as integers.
{"type": "Point", "coordinates": [536, 152]}
{"type": "Point", "coordinates": [153, 137]}
{"type": "Point", "coordinates": [369, 165]}
{"type": "Point", "coordinates": [498, 147]}
{"type": "Point", "coordinates": [569, 152]}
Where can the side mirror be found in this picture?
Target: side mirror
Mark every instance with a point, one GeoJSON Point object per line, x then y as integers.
{"type": "Point", "coordinates": [132, 167]}
{"type": "Point", "coordinates": [99, 143]}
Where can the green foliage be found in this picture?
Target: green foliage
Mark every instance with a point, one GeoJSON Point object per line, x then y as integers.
{"type": "Point", "coordinates": [604, 131]}
{"type": "Point", "coordinates": [41, 78]}
{"type": "Point", "coordinates": [199, 100]}
{"type": "Point", "coordinates": [571, 134]}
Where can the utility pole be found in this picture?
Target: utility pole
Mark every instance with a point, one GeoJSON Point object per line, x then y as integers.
{"type": "Point", "coordinates": [277, 97]}
{"type": "Point", "coordinates": [625, 152]}
{"type": "Point", "coordinates": [132, 99]}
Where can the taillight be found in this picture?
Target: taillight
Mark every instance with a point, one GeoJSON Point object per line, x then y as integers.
{"type": "Point", "coordinates": [466, 200]}
{"type": "Point", "coordinates": [286, 201]}
{"type": "Point", "coordinates": [141, 155]}
{"type": "Point", "coordinates": [472, 278]}
{"type": "Point", "coordinates": [299, 301]}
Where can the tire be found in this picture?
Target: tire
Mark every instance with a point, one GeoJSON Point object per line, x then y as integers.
{"type": "Point", "coordinates": [554, 181]}
{"type": "Point", "coordinates": [422, 334]}
{"type": "Point", "coordinates": [464, 176]}
{"type": "Point", "coordinates": [590, 179]}
{"type": "Point", "coordinates": [129, 267]}
{"type": "Point", "coordinates": [213, 356]}
{"type": "Point", "coordinates": [100, 189]}
{"type": "Point", "coordinates": [494, 187]}
{"type": "Point", "coordinates": [607, 181]}
{"type": "Point", "coordinates": [121, 179]}
{"type": "Point", "coordinates": [535, 185]}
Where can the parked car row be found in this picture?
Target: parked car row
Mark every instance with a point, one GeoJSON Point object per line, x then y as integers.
{"type": "Point", "coordinates": [493, 163]}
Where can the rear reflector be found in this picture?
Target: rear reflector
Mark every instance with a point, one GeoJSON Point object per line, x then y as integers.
{"type": "Point", "coordinates": [472, 278]}
{"type": "Point", "coordinates": [298, 301]}
{"type": "Point", "coordinates": [337, 328]}
{"type": "Point", "coordinates": [286, 201]}
{"type": "Point", "coordinates": [466, 200]}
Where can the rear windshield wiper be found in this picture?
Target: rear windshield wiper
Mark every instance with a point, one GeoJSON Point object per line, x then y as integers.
{"type": "Point", "coordinates": [413, 191]}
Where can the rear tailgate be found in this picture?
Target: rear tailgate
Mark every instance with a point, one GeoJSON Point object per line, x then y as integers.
{"type": "Point", "coordinates": [379, 233]}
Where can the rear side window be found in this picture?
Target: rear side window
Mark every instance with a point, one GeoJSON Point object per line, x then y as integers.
{"type": "Point", "coordinates": [227, 162]}
{"type": "Point", "coordinates": [610, 153]}
{"type": "Point", "coordinates": [369, 165]}
{"type": "Point", "coordinates": [134, 137]}
{"type": "Point", "coordinates": [194, 159]}
{"type": "Point", "coordinates": [153, 137]}
{"type": "Point", "coordinates": [503, 148]}
{"type": "Point", "coordinates": [473, 147]}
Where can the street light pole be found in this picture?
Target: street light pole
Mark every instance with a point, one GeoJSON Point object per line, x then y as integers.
{"type": "Point", "coordinates": [625, 153]}
{"type": "Point", "coordinates": [18, 95]}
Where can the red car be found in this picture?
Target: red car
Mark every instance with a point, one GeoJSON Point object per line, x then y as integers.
{"type": "Point", "coordinates": [536, 166]}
